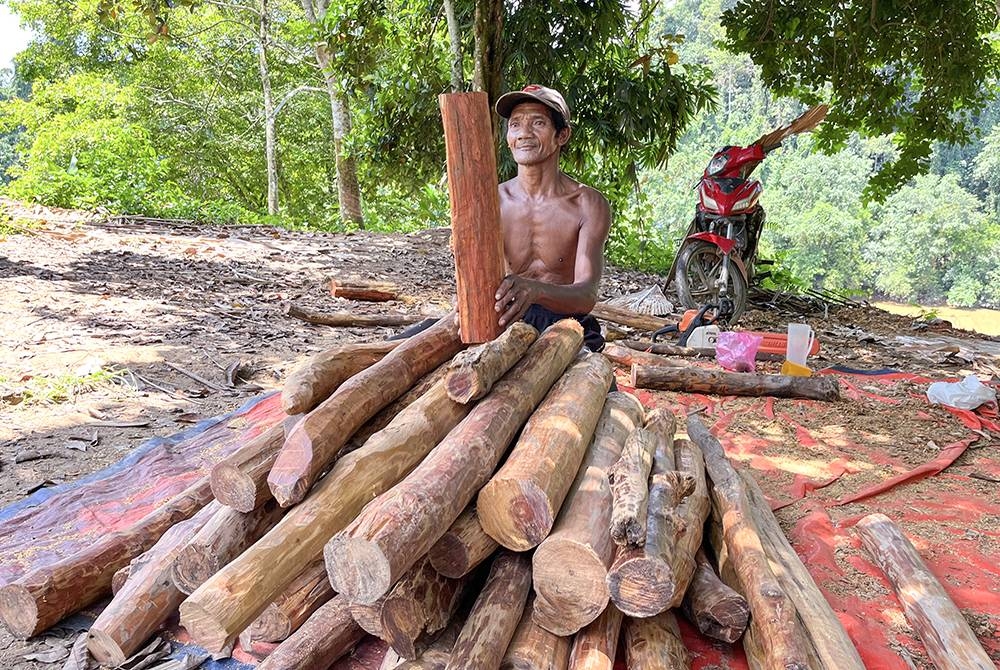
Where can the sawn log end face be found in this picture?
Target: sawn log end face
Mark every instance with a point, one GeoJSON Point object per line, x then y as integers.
{"type": "Point", "coordinates": [233, 488]}
{"type": "Point", "coordinates": [104, 649]}
{"type": "Point", "coordinates": [18, 611]}
{"type": "Point", "coordinates": [358, 569]}
{"type": "Point", "coordinates": [203, 628]}
{"type": "Point", "coordinates": [515, 513]}
{"type": "Point", "coordinates": [641, 587]}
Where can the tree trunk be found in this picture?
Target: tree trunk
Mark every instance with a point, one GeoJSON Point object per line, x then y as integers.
{"type": "Point", "coordinates": [655, 642]}
{"type": "Point", "coordinates": [595, 647]}
{"type": "Point", "coordinates": [519, 505]}
{"type": "Point", "coordinates": [326, 636]}
{"type": "Point", "coordinates": [147, 598]}
{"type": "Point", "coordinates": [534, 648]}
{"type": "Point", "coordinates": [473, 372]}
{"type": "Point", "coordinates": [310, 590]}
{"type": "Point", "coordinates": [350, 319]}
{"type": "Point", "coordinates": [772, 611]}
{"type": "Point", "coordinates": [315, 441]}
{"type": "Point", "coordinates": [384, 541]}
{"type": "Point", "coordinates": [219, 541]}
{"type": "Point", "coordinates": [950, 642]}
{"type": "Point", "coordinates": [270, 121]}
{"type": "Point", "coordinates": [229, 602]}
{"type": "Point", "coordinates": [45, 595]}
{"type": "Point", "coordinates": [626, 317]}
{"type": "Point", "coordinates": [495, 615]}
{"type": "Point", "coordinates": [715, 609]}
{"type": "Point", "coordinates": [464, 546]}
{"type": "Point", "coordinates": [312, 383]}
{"type": "Point", "coordinates": [240, 480]}
{"type": "Point", "coordinates": [488, 59]}
{"type": "Point", "coordinates": [569, 600]}
{"type": "Point", "coordinates": [699, 380]}
{"type": "Point", "coordinates": [624, 357]}
{"type": "Point", "coordinates": [455, 47]}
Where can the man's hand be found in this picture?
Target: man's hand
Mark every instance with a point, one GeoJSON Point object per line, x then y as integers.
{"type": "Point", "coordinates": [514, 297]}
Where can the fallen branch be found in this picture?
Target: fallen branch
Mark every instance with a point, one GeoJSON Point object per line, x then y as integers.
{"type": "Point", "coordinates": [699, 380]}
{"type": "Point", "coordinates": [349, 320]}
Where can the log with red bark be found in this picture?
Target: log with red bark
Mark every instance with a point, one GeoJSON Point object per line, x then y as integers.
{"type": "Point", "coordinates": [307, 592]}
{"type": "Point", "coordinates": [473, 372]}
{"type": "Point", "coordinates": [627, 317]}
{"type": "Point", "coordinates": [367, 557]}
{"type": "Point", "coordinates": [240, 480]}
{"type": "Point", "coordinates": [700, 380]}
{"type": "Point", "coordinates": [595, 647]}
{"type": "Point", "coordinates": [366, 290]}
{"type": "Point", "coordinates": [630, 475]}
{"type": "Point", "coordinates": [389, 412]}
{"type": "Point", "coordinates": [229, 602]}
{"type": "Point", "coordinates": [495, 614]}
{"type": "Point", "coordinates": [314, 381]}
{"type": "Point", "coordinates": [464, 546]}
{"type": "Point", "coordinates": [568, 600]}
{"type": "Point", "coordinates": [534, 648]}
{"type": "Point", "coordinates": [655, 642]}
{"type": "Point", "coordinates": [45, 595]}
{"type": "Point", "coordinates": [314, 443]}
{"type": "Point", "coordinates": [329, 633]}
{"type": "Point", "coordinates": [833, 647]}
{"type": "Point", "coordinates": [350, 319]}
{"type": "Point", "coordinates": [475, 211]}
{"type": "Point", "coordinates": [519, 505]}
{"type": "Point", "coordinates": [950, 642]}
{"type": "Point", "coordinates": [220, 540]}
{"type": "Point", "coordinates": [772, 612]}
{"type": "Point", "coordinates": [714, 608]}
{"type": "Point", "coordinates": [119, 578]}
{"type": "Point", "coordinates": [625, 357]}
{"type": "Point", "coordinates": [148, 597]}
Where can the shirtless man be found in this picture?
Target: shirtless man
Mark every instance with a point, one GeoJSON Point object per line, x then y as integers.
{"type": "Point", "coordinates": [554, 227]}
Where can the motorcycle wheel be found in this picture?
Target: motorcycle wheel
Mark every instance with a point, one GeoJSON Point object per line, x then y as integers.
{"type": "Point", "coordinates": [698, 266]}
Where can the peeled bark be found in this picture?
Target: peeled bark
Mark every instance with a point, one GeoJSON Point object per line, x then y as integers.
{"type": "Point", "coordinates": [569, 600]}
{"type": "Point", "coordinates": [519, 505]}
{"type": "Point", "coordinates": [315, 441]}
{"type": "Point", "coordinates": [699, 380]}
{"type": "Point", "coordinates": [595, 647]}
{"type": "Point", "coordinates": [627, 317]}
{"type": "Point", "coordinates": [946, 635]}
{"type": "Point", "coordinates": [45, 595]}
{"type": "Point", "coordinates": [534, 648]}
{"type": "Point", "coordinates": [464, 546]}
{"type": "Point", "coordinates": [392, 532]}
{"type": "Point", "coordinates": [314, 381]}
{"type": "Point", "coordinates": [240, 480]}
{"type": "Point", "coordinates": [327, 634]}
{"type": "Point", "coordinates": [494, 616]}
{"type": "Point", "coordinates": [625, 358]}
{"type": "Point", "coordinates": [291, 609]}
{"type": "Point", "coordinates": [655, 642]}
{"type": "Point", "coordinates": [714, 608]}
{"type": "Point", "coordinates": [473, 372]}
{"type": "Point", "coordinates": [229, 602]}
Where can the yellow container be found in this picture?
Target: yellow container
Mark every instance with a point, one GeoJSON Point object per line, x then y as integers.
{"type": "Point", "coordinates": [795, 370]}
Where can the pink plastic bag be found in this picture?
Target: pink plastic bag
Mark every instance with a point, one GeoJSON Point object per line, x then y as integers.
{"type": "Point", "coordinates": [737, 351]}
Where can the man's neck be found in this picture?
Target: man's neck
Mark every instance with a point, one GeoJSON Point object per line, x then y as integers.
{"type": "Point", "coordinates": [541, 180]}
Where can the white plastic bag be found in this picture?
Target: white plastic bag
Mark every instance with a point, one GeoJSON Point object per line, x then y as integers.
{"type": "Point", "coordinates": [969, 393]}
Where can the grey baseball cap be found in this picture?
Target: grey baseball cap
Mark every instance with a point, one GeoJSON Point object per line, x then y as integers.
{"type": "Point", "coordinates": [549, 97]}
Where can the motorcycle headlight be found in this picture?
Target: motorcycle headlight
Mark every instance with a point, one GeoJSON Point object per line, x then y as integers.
{"type": "Point", "coordinates": [743, 203]}
{"type": "Point", "coordinates": [717, 164]}
{"type": "Point", "coordinates": [709, 202]}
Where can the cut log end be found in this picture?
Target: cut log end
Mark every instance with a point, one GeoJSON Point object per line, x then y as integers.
{"type": "Point", "coordinates": [234, 488]}
{"type": "Point", "coordinates": [450, 557]}
{"type": "Point", "coordinates": [642, 586]}
{"type": "Point", "coordinates": [516, 513]}
{"type": "Point", "coordinates": [358, 569]}
{"type": "Point", "coordinates": [461, 388]}
{"type": "Point", "coordinates": [104, 649]}
{"type": "Point", "coordinates": [569, 581]}
{"type": "Point", "coordinates": [192, 568]}
{"type": "Point", "coordinates": [18, 611]}
{"type": "Point", "coordinates": [205, 629]}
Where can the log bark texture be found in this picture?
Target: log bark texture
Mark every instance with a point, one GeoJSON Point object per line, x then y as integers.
{"type": "Point", "coordinates": [655, 642]}
{"type": "Point", "coordinates": [324, 637]}
{"type": "Point", "coordinates": [307, 593]}
{"type": "Point", "coordinates": [240, 480]}
{"type": "Point", "coordinates": [568, 600]}
{"type": "Point", "coordinates": [534, 648]}
{"type": "Point", "coordinates": [220, 540]}
{"type": "Point", "coordinates": [625, 357]}
{"type": "Point", "coordinates": [229, 602]}
{"type": "Point", "coordinates": [464, 546]}
{"type": "Point", "coordinates": [699, 380]}
{"type": "Point", "coordinates": [519, 505]}
{"type": "Point", "coordinates": [595, 647]}
{"type": "Point", "coordinates": [714, 608]}
{"type": "Point", "coordinates": [473, 372]}
{"type": "Point", "coordinates": [350, 319]}
{"type": "Point", "coordinates": [772, 611]}
{"type": "Point", "coordinates": [388, 537]}
{"type": "Point", "coordinates": [315, 441]}
{"type": "Point", "coordinates": [436, 656]}
{"type": "Point", "coordinates": [475, 211]}
{"type": "Point", "coordinates": [147, 598]}
{"type": "Point", "coordinates": [495, 614]}
{"type": "Point", "coordinates": [950, 642]}
{"type": "Point", "coordinates": [390, 411]}
{"type": "Point", "coordinates": [365, 290]}
{"type": "Point", "coordinates": [45, 595]}
{"type": "Point", "coordinates": [314, 381]}
{"type": "Point", "coordinates": [626, 317]}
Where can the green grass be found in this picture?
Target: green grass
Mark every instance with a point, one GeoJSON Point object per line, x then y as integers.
{"type": "Point", "coordinates": [47, 390]}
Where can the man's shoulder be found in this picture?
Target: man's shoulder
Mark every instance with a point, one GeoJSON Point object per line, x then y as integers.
{"type": "Point", "coordinates": [588, 194]}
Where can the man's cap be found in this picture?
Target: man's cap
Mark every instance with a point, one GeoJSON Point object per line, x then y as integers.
{"type": "Point", "coordinates": [549, 97]}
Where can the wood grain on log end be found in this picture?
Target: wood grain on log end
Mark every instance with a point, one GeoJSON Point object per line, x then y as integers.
{"type": "Point", "coordinates": [104, 649]}
{"type": "Point", "coordinates": [193, 567]}
{"type": "Point", "coordinates": [18, 610]}
{"type": "Point", "coordinates": [569, 580]}
{"type": "Point", "coordinates": [641, 586]}
{"type": "Point", "coordinates": [357, 568]}
{"type": "Point", "coordinates": [233, 487]}
{"type": "Point", "coordinates": [203, 628]}
{"type": "Point", "coordinates": [516, 513]}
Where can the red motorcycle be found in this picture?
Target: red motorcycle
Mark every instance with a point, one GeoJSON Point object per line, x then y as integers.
{"type": "Point", "coordinates": [715, 264]}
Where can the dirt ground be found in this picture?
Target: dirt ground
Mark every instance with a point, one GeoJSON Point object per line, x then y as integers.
{"type": "Point", "coordinates": [116, 331]}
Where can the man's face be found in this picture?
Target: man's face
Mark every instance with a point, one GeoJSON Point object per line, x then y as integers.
{"type": "Point", "coordinates": [531, 134]}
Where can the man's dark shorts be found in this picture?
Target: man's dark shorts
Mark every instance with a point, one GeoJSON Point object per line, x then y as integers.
{"type": "Point", "coordinates": [541, 318]}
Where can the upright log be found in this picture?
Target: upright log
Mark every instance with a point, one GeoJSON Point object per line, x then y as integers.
{"type": "Point", "coordinates": [307, 593]}
{"type": "Point", "coordinates": [220, 540]}
{"type": "Point", "coordinates": [45, 595]}
{"type": "Point", "coordinates": [473, 372]}
{"type": "Point", "coordinates": [367, 557]}
{"type": "Point", "coordinates": [700, 380]}
{"type": "Point", "coordinates": [946, 635]}
{"type": "Point", "coordinates": [714, 608]}
{"type": "Point", "coordinates": [464, 546]}
{"type": "Point", "coordinates": [315, 441]}
{"type": "Point", "coordinates": [625, 357]}
{"type": "Point", "coordinates": [475, 211]}
{"type": "Point", "coordinates": [314, 381]}
{"type": "Point", "coordinates": [240, 480]}
{"type": "Point", "coordinates": [595, 647]}
{"type": "Point", "coordinates": [568, 600]}
{"type": "Point", "coordinates": [494, 616]}
{"type": "Point", "coordinates": [227, 603]}
{"type": "Point", "coordinates": [519, 505]}
{"type": "Point", "coordinates": [326, 635]}
{"type": "Point", "coordinates": [534, 648]}
{"type": "Point", "coordinates": [772, 611]}
{"type": "Point", "coordinates": [655, 642]}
